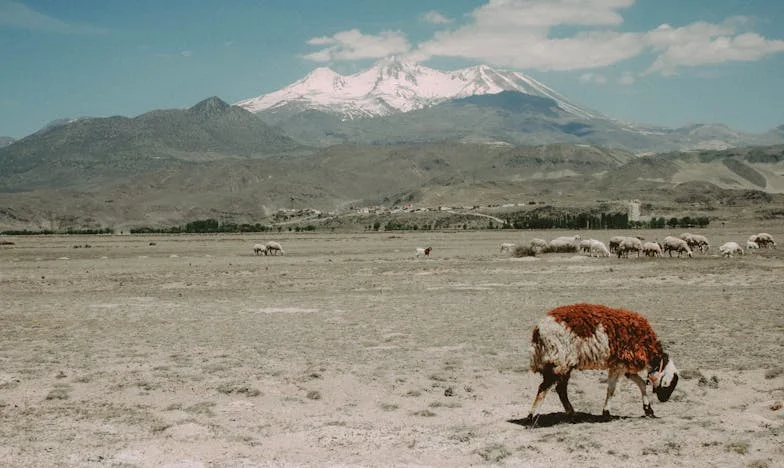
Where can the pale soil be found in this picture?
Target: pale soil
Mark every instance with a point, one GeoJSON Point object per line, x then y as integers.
{"type": "Point", "coordinates": [348, 351]}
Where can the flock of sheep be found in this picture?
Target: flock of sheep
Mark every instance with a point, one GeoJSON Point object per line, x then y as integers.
{"type": "Point", "coordinates": [621, 246]}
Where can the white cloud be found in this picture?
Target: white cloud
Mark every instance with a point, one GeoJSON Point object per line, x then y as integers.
{"type": "Point", "coordinates": [18, 15]}
{"type": "Point", "coordinates": [521, 34]}
{"type": "Point", "coordinates": [435, 17]}
{"type": "Point", "coordinates": [627, 78]}
{"type": "Point", "coordinates": [595, 78]}
{"type": "Point", "coordinates": [547, 13]}
{"type": "Point", "coordinates": [704, 44]}
{"type": "Point", "coordinates": [353, 45]}
{"type": "Point", "coordinates": [590, 49]}
{"type": "Point", "coordinates": [516, 33]}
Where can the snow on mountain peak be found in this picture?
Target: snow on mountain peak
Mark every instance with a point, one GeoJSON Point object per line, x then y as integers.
{"type": "Point", "coordinates": [392, 86]}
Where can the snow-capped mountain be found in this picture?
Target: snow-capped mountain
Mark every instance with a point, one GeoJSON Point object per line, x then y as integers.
{"type": "Point", "coordinates": [392, 86]}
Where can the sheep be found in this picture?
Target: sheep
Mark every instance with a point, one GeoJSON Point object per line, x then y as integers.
{"type": "Point", "coordinates": [597, 247]}
{"type": "Point", "coordinates": [592, 337]}
{"type": "Point", "coordinates": [538, 244]}
{"type": "Point", "coordinates": [750, 245]}
{"type": "Point", "coordinates": [701, 242]}
{"type": "Point", "coordinates": [273, 246]}
{"type": "Point", "coordinates": [615, 241]}
{"type": "Point", "coordinates": [423, 251]}
{"type": "Point", "coordinates": [259, 249]}
{"type": "Point", "coordinates": [730, 248]}
{"type": "Point", "coordinates": [564, 243]}
{"type": "Point", "coordinates": [689, 239]}
{"type": "Point", "coordinates": [627, 245]}
{"type": "Point", "coordinates": [673, 244]}
{"type": "Point", "coordinates": [763, 239]}
{"type": "Point", "coordinates": [652, 249]}
{"type": "Point", "coordinates": [507, 247]}
{"type": "Point", "coordinates": [585, 245]}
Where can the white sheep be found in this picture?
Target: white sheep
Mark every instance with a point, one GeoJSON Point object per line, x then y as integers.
{"type": "Point", "coordinates": [592, 337]}
{"type": "Point", "coordinates": [629, 244]}
{"type": "Point", "coordinates": [538, 244]}
{"type": "Point", "coordinates": [750, 245]}
{"type": "Point", "coordinates": [763, 239]}
{"type": "Point", "coordinates": [597, 247]}
{"type": "Point", "coordinates": [423, 251]}
{"type": "Point", "coordinates": [730, 248]}
{"type": "Point", "coordinates": [674, 244]}
{"type": "Point", "coordinates": [273, 246]}
{"type": "Point", "coordinates": [565, 243]}
{"type": "Point", "coordinates": [652, 249]}
{"type": "Point", "coordinates": [585, 245]}
{"type": "Point", "coordinates": [507, 247]}
{"type": "Point", "coordinates": [259, 249]}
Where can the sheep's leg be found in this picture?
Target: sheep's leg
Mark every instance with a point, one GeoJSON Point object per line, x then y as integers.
{"type": "Point", "coordinates": [548, 379]}
{"type": "Point", "coordinates": [612, 380]}
{"type": "Point", "coordinates": [646, 404]}
{"type": "Point", "coordinates": [560, 387]}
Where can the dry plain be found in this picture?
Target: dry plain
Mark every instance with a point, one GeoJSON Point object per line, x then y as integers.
{"type": "Point", "coordinates": [349, 351]}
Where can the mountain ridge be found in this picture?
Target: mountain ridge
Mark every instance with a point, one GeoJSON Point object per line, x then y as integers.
{"type": "Point", "coordinates": [391, 86]}
{"type": "Point", "coordinates": [112, 146]}
{"type": "Point", "coordinates": [398, 102]}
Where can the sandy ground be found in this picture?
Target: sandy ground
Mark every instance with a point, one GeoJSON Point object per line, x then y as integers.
{"type": "Point", "coordinates": [349, 351]}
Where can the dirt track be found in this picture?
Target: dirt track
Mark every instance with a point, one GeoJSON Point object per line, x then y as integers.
{"type": "Point", "coordinates": [195, 352]}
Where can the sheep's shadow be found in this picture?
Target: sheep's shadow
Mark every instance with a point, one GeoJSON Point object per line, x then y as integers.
{"type": "Point", "coordinates": [553, 419]}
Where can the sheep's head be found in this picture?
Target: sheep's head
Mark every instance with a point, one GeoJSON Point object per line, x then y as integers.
{"type": "Point", "coordinates": [427, 250]}
{"type": "Point", "coordinates": [664, 377]}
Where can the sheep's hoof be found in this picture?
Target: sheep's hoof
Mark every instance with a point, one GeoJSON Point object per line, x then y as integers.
{"type": "Point", "coordinates": [648, 411]}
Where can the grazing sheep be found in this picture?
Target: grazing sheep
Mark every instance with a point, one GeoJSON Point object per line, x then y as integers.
{"type": "Point", "coordinates": [259, 249]}
{"type": "Point", "coordinates": [700, 242]}
{"type": "Point", "coordinates": [750, 245]}
{"type": "Point", "coordinates": [423, 251]}
{"type": "Point", "coordinates": [538, 244]}
{"type": "Point", "coordinates": [627, 245]}
{"type": "Point", "coordinates": [764, 240]}
{"type": "Point", "coordinates": [597, 247]}
{"type": "Point", "coordinates": [585, 245]}
{"type": "Point", "coordinates": [674, 244]}
{"type": "Point", "coordinates": [507, 247]}
{"type": "Point", "coordinates": [689, 239]}
{"type": "Point", "coordinates": [565, 243]}
{"type": "Point", "coordinates": [652, 249]}
{"type": "Point", "coordinates": [615, 241]}
{"type": "Point", "coordinates": [730, 248]}
{"type": "Point", "coordinates": [590, 336]}
{"type": "Point", "coordinates": [273, 246]}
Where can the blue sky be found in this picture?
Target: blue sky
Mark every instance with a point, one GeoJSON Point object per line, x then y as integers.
{"type": "Point", "coordinates": [667, 62]}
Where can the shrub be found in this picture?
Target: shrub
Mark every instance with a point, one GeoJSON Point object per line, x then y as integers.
{"type": "Point", "coordinates": [524, 251]}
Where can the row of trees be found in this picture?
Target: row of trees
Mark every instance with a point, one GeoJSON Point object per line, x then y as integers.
{"type": "Point", "coordinates": [599, 221]}
{"type": "Point", "coordinates": [214, 226]}
{"type": "Point", "coordinates": [516, 221]}
{"type": "Point", "coordinates": [27, 232]}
